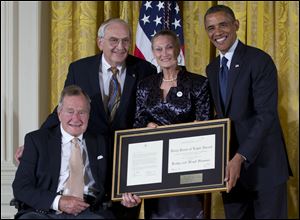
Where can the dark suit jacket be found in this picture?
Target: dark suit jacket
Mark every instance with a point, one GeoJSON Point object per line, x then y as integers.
{"type": "Point", "coordinates": [85, 73]}
{"type": "Point", "coordinates": [37, 176]}
{"type": "Point", "coordinates": [251, 105]}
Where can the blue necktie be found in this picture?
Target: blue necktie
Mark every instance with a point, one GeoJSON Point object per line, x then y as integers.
{"type": "Point", "coordinates": [114, 93]}
{"type": "Point", "coordinates": [223, 80]}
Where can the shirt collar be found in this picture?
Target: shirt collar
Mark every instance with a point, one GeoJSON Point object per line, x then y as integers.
{"type": "Point", "coordinates": [106, 66]}
{"type": "Point", "coordinates": [229, 53]}
{"type": "Point", "coordinates": [66, 137]}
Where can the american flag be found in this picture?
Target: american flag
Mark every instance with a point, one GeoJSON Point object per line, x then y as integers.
{"type": "Point", "coordinates": [155, 16]}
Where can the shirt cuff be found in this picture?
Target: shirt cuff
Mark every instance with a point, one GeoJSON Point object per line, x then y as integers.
{"type": "Point", "coordinates": [55, 203]}
{"type": "Point", "coordinates": [245, 159]}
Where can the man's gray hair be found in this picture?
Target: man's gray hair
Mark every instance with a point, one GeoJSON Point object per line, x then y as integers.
{"type": "Point", "coordinates": [103, 26]}
{"type": "Point", "coordinates": [72, 90]}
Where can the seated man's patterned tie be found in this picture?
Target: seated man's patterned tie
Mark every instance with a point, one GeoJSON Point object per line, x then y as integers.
{"type": "Point", "coordinates": [114, 94]}
{"type": "Point", "coordinates": [75, 183]}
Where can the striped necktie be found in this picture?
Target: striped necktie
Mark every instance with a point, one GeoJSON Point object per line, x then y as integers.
{"type": "Point", "coordinates": [75, 183]}
{"type": "Point", "coordinates": [114, 94]}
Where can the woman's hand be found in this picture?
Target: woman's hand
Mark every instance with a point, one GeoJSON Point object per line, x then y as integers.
{"type": "Point", "coordinates": [152, 125]}
{"type": "Point", "coordinates": [19, 153]}
{"type": "Point", "coordinates": [130, 200]}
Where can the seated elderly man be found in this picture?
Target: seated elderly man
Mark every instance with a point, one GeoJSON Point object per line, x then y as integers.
{"type": "Point", "coordinates": [63, 169]}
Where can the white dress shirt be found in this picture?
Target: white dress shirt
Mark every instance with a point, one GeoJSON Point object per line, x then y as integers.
{"type": "Point", "coordinates": [64, 167]}
{"type": "Point", "coordinates": [229, 54]}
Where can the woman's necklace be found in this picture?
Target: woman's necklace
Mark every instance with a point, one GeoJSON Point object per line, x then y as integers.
{"type": "Point", "coordinates": [170, 80]}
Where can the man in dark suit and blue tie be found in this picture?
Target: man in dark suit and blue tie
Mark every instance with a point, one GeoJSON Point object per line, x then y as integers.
{"type": "Point", "coordinates": [243, 84]}
{"type": "Point", "coordinates": [44, 179]}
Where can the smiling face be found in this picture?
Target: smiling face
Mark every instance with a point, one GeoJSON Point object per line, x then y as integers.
{"type": "Point", "coordinates": [165, 51]}
{"type": "Point", "coordinates": [74, 114]}
{"type": "Point", "coordinates": [221, 29]}
{"type": "Point", "coordinates": [115, 43]}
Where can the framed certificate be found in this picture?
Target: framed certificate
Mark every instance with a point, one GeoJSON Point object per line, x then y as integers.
{"type": "Point", "coordinates": [181, 159]}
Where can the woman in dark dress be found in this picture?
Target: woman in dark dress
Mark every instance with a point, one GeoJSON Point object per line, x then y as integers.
{"type": "Point", "coordinates": [170, 97]}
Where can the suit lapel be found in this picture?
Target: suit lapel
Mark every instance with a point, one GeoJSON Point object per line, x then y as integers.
{"type": "Point", "coordinates": [93, 153]}
{"type": "Point", "coordinates": [95, 83]}
{"type": "Point", "coordinates": [94, 75]}
{"type": "Point", "coordinates": [235, 67]}
{"type": "Point", "coordinates": [214, 81]}
{"type": "Point", "coordinates": [128, 91]}
{"type": "Point", "coordinates": [54, 152]}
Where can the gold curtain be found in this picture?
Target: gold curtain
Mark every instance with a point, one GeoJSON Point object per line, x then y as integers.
{"type": "Point", "coordinates": [269, 25]}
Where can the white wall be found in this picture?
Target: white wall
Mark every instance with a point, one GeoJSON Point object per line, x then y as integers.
{"type": "Point", "coordinates": [24, 82]}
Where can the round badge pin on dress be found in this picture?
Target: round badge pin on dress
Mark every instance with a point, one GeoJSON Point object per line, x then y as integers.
{"type": "Point", "coordinates": [179, 94]}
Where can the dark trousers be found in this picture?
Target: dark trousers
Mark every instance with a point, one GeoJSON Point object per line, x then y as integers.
{"type": "Point", "coordinates": [87, 214]}
{"type": "Point", "coordinates": [122, 212]}
{"type": "Point", "coordinates": [270, 203]}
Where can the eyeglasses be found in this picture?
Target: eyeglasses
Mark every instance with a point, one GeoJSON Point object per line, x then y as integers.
{"type": "Point", "coordinates": [71, 112]}
{"type": "Point", "coordinates": [115, 41]}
